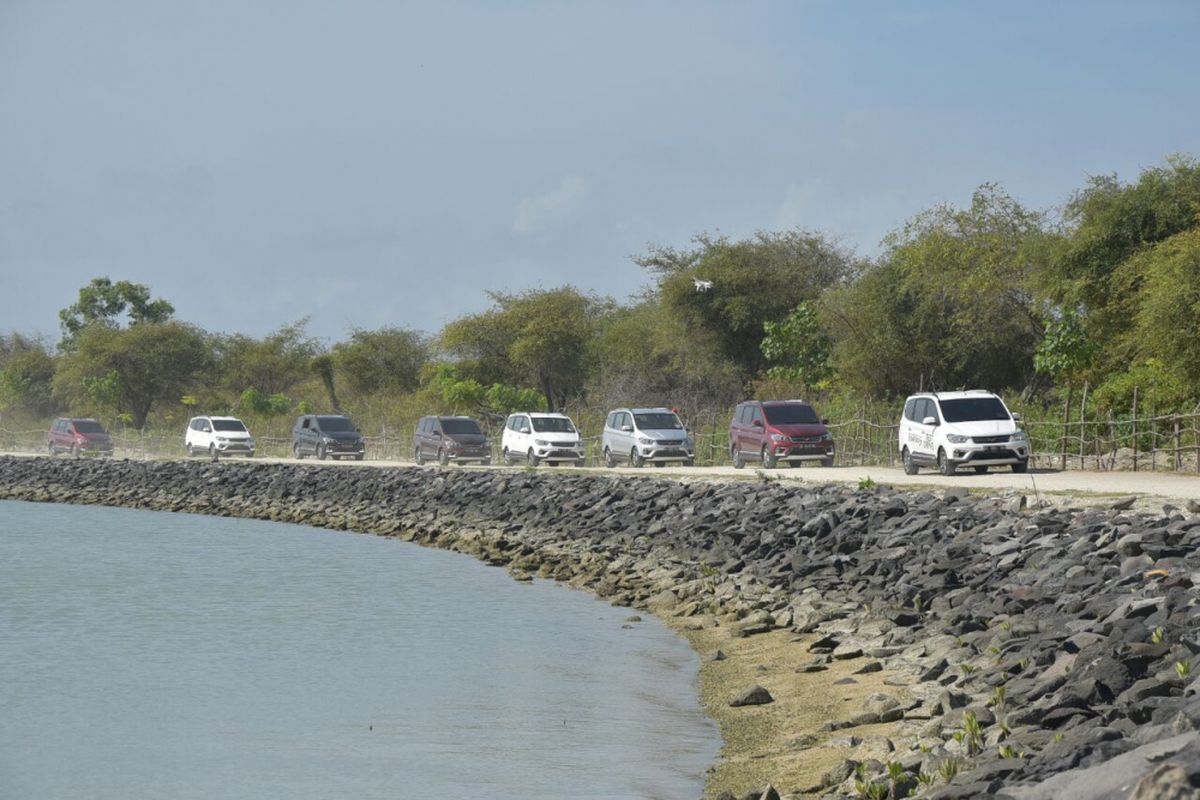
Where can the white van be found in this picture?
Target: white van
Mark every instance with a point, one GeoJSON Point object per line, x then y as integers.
{"type": "Point", "coordinates": [534, 438]}
{"type": "Point", "coordinates": [646, 435]}
{"type": "Point", "coordinates": [948, 430]}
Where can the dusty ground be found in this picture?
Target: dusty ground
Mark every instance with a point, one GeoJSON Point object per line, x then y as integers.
{"type": "Point", "coordinates": [763, 744]}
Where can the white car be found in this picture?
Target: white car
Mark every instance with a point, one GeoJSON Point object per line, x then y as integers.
{"type": "Point", "coordinates": [535, 438]}
{"type": "Point", "coordinates": [218, 436]}
{"type": "Point", "coordinates": [948, 430]}
{"type": "Point", "coordinates": [641, 435]}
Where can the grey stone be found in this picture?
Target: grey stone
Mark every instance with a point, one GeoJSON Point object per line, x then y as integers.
{"type": "Point", "coordinates": [752, 696]}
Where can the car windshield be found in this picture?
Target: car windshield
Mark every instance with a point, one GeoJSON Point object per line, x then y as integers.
{"type": "Point", "coordinates": [88, 426]}
{"type": "Point", "coordinates": [228, 425]}
{"type": "Point", "coordinates": [336, 424]}
{"type": "Point", "coordinates": [553, 425]}
{"type": "Point", "coordinates": [973, 409]}
{"type": "Point", "coordinates": [791, 414]}
{"type": "Point", "coordinates": [658, 422]}
{"type": "Point", "coordinates": [460, 426]}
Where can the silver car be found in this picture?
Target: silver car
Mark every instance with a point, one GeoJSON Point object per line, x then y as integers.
{"type": "Point", "coordinates": [642, 435]}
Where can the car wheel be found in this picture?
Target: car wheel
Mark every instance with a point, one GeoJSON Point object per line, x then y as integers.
{"type": "Point", "coordinates": [360, 456]}
{"type": "Point", "coordinates": [487, 462]}
{"type": "Point", "coordinates": [609, 461]}
{"type": "Point", "coordinates": [212, 452]}
{"type": "Point", "coordinates": [635, 459]}
{"type": "Point", "coordinates": [1021, 466]}
{"type": "Point", "coordinates": [75, 450]}
{"type": "Point", "coordinates": [443, 457]}
{"type": "Point", "coordinates": [827, 461]}
{"type": "Point", "coordinates": [297, 452]}
{"type": "Point", "coordinates": [768, 458]}
{"type": "Point", "coordinates": [581, 462]}
{"type": "Point", "coordinates": [321, 451]}
{"type": "Point", "coordinates": [945, 465]}
{"type": "Point", "coordinates": [506, 457]}
{"type": "Point", "coordinates": [981, 470]}
{"type": "Point", "coordinates": [50, 449]}
{"type": "Point", "coordinates": [533, 459]}
{"type": "Point", "coordinates": [910, 466]}
{"type": "Point", "coordinates": [418, 456]}
{"type": "Point", "coordinates": [690, 462]}
{"type": "Point", "coordinates": [738, 461]}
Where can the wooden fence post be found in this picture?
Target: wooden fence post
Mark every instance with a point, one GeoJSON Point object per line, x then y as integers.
{"type": "Point", "coordinates": [1178, 461]}
{"type": "Point", "coordinates": [1135, 441]}
{"type": "Point", "coordinates": [1066, 427]}
{"type": "Point", "coordinates": [1083, 424]}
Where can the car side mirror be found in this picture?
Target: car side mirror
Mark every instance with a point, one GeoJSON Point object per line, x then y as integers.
{"type": "Point", "coordinates": [929, 421]}
{"type": "Point", "coordinates": [1016, 417]}
{"type": "Point", "coordinates": [757, 423]}
{"type": "Point", "coordinates": [438, 434]}
{"type": "Point", "coordinates": [627, 428]}
{"type": "Point", "coordinates": [824, 421]}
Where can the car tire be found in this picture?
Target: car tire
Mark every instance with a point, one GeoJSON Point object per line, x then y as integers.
{"type": "Point", "coordinates": [443, 457]}
{"type": "Point", "coordinates": [689, 462]}
{"type": "Point", "coordinates": [768, 458]}
{"type": "Point", "coordinates": [297, 452]}
{"type": "Point", "coordinates": [75, 450]}
{"type": "Point", "coordinates": [532, 458]}
{"type": "Point", "coordinates": [360, 456]}
{"type": "Point", "coordinates": [910, 466]}
{"type": "Point", "coordinates": [213, 453]}
{"type": "Point", "coordinates": [981, 470]}
{"type": "Point", "coordinates": [945, 465]}
{"type": "Point", "coordinates": [635, 459]}
{"type": "Point", "coordinates": [418, 456]}
{"type": "Point", "coordinates": [321, 451]}
{"type": "Point", "coordinates": [581, 462]}
{"type": "Point", "coordinates": [609, 461]}
{"type": "Point", "coordinates": [506, 458]}
{"type": "Point", "coordinates": [51, 450]}
{"type": "Point", "coordinates": [827, 462]}
{"type": "Point", "coordinates": [1021, 466]}
{"type": "Point", "coordinates": [736, 456]}
{"type": "Point", "coordinates": [487, 462]}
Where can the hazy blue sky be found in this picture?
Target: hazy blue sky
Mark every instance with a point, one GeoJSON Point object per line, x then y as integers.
{"type": "Point", "coordinates": [373, 163]}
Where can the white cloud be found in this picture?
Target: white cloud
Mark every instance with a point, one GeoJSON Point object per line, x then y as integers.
{"type": "Point", "coordinates": [536, 213]}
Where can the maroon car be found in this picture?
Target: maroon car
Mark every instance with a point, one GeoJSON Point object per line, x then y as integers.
{"type": "Point", "coordinates": [78, 437]}
{"type": "Point", "coordinates": [775, 432]}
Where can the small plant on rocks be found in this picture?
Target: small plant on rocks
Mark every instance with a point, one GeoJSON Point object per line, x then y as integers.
{"type": "Point", "coordinates": [867, 483]}
{"type": "Point", "coordinates": [997, 700]}
{"type": "Point", "coordinates": [948, 768]}
{"type": "Point", "coordinates": [1007, 751]}
{"type": "Point", "coordinates": [926, 779]}
{"type": "Point", "coordinates": [1183, 669]}
{"type": "Point", "coordinates": [972, 733]}
{"type": "Point", "coordinates": [1158, 635]}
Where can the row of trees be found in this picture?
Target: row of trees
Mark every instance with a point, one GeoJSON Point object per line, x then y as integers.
{"type": "Point", "coordinates": [1104, 290]}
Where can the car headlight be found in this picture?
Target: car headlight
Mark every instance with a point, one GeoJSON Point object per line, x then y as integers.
{"type": "Point", "coordinates": [1020, 436]}
{"type": "Point", "coordinates": [222, 439]}
{"type": "Point", "coordinates": [778, 437]}
{"type": "Point", "coordinates": [826, 437]}
{"type": "Point", "coordinates": [541, 442]}
{"type": "Point", "coordinates": [644, 440]}
{"type": "Point", "coordinates": [955, 438]}
{"type": "Point", "coordinates": [687, 441]}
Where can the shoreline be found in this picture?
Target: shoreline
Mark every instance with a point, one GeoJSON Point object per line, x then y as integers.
{"type": "Point", "coordinates": [826, 596]}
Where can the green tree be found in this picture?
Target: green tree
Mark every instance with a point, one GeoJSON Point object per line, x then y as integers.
{"type": "Point", "coordinates": [388, 358]}
{"type": "Point", "coordinates": [798, 347]}
{"type": "Point", "coordinates": [132, 370]}
{"type": "Point", "coordinates": [103, 302]}
{"type": "Point", "coordinates": [272, 365]}
{"type": "Point", "coordinates": [1166, 319]}
{"type": "Point", "coordinates": [26, 376]}
{"type": "Point", "coordinates": [953, 301]}
{"type": "Point", "coordinates": [753, 281]}
{"type": "Point", "coordinates": [536, 338]}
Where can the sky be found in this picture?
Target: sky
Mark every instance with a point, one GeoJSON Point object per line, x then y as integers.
{"type": "Point", "coordinates": [363, 164]}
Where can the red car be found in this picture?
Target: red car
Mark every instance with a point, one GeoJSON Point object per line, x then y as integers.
{"type": "Point", "coordinates": [777, 432]}
{"type": "Point", "coordinates": [78, 437]}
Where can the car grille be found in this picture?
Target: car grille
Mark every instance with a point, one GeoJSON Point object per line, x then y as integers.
{"type": "Point", "coordinates": [991, 455]}
{"type": "Point", "coordinates": [806, 438]}
{"type": "Point", "coordinates": [562, 454]}
{"type": "Point", "coordinates": [990, 439]}
{"type": "Point", "coordinates": [347, 446]}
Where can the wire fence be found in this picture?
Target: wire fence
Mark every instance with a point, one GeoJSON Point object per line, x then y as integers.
{"type": "Point", "coordinates": [1168, 442]}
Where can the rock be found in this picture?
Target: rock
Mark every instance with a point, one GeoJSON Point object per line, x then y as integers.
{"type": "Point", "coordinates": [718, 656]}
{"type": "Point", "coordinates": [634, 618]}
{"type": "Point", "coordinates": [1193, 506]}
{"type": "Point", "coordinates": [1166, 782]}
{"type": "Point", "coordinates": [753, 696]}
{"type": "Point", "coordinates": [1124, 504]}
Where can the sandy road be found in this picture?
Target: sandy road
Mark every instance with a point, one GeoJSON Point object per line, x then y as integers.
{"type": "Point", "coordinates": [1154, 488]}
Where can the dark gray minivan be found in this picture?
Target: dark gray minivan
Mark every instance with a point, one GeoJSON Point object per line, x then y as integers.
{"type": "Point", "coordinates": [326, 435]}
{"type": "Point", "coordinates": [450, 439]}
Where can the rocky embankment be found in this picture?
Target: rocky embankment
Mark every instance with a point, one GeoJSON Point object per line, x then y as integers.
{"type": "Point", "coordinates": [1031, 654]}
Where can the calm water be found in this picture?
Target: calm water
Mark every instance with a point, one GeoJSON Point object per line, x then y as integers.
{"type": "Point", "coordinates": [153, 655]}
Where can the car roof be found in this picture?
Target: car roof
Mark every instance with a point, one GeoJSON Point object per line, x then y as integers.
{"type": "Point", "coordinates": [544, 414]}
{"type": "Point", "coordinates": [956, 395]}
{"type": "Point", "coordinates": [210, 416]}
{"type": "Point", "coordinates": [659, 410]}
{"type": "Point", "coordinates": [776, 402]}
